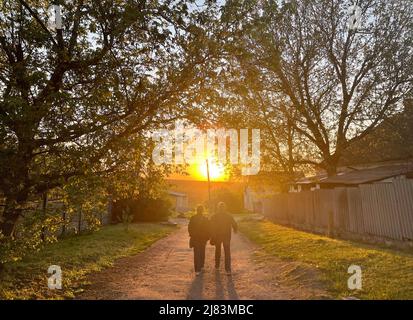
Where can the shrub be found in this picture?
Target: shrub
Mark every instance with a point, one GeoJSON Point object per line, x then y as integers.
{"type": "Point", "coordinates": [233, 200]}
{"type": "Point", "coordinates": [142, 209]}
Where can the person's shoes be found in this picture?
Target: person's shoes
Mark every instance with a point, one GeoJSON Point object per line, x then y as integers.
{"type": "Point", "coordinates": [198, 273]}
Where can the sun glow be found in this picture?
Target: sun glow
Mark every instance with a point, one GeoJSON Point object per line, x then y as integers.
{"type": "Point", "coordinates": [216, 170]}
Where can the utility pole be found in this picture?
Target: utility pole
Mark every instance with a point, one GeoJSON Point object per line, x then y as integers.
{"type": "Point", "coordinates": [209, 186]}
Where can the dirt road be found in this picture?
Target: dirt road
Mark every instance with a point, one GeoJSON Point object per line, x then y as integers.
{"type": "Point", "coordinates": [165, 271]}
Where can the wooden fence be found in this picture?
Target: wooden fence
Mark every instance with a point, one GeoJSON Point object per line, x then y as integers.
{"type": "Point", "coordinates": [383, 210]}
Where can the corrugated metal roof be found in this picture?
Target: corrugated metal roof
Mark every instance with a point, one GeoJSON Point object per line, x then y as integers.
{"type": "Point", "coordinates": [312, 179]}
{"type": "Point", "coordinates": [367, 175]}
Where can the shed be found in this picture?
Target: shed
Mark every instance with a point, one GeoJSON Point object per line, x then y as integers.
{"type": "Point", "coordinates": [180, 201]}
{"type": "Point", "coordinates": [354, 176]}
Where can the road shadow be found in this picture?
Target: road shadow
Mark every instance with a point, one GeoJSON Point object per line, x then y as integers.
{"type": "Point", "coordinates": [220, 288]}
{"type": "Point", "coordinates": [196, 289]}
{"type": "Point", "coordinates": [232, 293]}
{"type": "Point", "coordinates": [224, 287]}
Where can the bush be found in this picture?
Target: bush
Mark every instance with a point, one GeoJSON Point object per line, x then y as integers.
{"type": "Point", "coordinates": [142, 209]}
{"type": "Point", "coordinates": [31, 234]}
{"type": "Point", "coordinates": [233, 200]}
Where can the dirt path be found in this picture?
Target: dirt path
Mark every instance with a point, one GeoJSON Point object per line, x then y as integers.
{"type": "Point", "coordinates": [165, 271]}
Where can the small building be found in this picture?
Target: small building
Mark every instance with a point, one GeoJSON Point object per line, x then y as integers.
{"type": "Point", "coordinates": [264, 185]}
{"type": "Point", "coordinates": [179, 201]}
{"type": "Point", "coordinates": [197, 190]}
{"type": "Point", "coordinates": [254, 196]}
{"type": "Point", "coordinates": [307, 183]}
{"type": "Point", "coordinates": [355, 176]}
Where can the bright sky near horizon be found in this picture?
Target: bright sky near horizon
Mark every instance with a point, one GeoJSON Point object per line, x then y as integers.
{"type": "Point", "coordinates": [198, 171]}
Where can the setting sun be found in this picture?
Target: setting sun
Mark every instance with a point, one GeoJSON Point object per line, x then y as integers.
{"type": "Point", "coordinates": [216, 171]}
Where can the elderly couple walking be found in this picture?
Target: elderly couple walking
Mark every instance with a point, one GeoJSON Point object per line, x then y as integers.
{"type": "Point", "coordinates": [217, 230]}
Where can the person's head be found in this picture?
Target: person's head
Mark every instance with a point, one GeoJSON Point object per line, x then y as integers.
{"type": "Point", "coordinates": [200, 209]}
{"type": "Point", "coordinates": [221, 207]}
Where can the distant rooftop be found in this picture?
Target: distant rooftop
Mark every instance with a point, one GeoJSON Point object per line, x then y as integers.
{"type": "Point", "coordinates": [177, 194]}
{"type": "Point", "coordinates": [368, 175]}
{"type": "Point", "coordinates": [360, 176]}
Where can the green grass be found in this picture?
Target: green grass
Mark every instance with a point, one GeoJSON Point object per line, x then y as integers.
{"type": "Point", "coordinates": [386, 274]}
{"type": "Point", "coordinates": [77, 256]}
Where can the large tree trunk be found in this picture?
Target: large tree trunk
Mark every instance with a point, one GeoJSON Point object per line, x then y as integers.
{"type": "Point", "coordinates": [9, 219]}
{"type": "Point", "coordinates": [331, 170]}
{"type": "Point", "coordinates": [44, 213]}
{"type": "Point", "coordinates": [15, 185]}
{"type": "Point", "coordinates": [331, 166]}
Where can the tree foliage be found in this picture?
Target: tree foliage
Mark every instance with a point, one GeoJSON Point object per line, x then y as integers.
{"type": "Point", "coordinates": [313, 84]}
{"type": "Point", "coordinates": [74, 98]}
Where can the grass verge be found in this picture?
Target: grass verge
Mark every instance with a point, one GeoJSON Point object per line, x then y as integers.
{"type": "Point", "coordinates": [77, 256]}
{"type": "Point", "coordinates": [386, 274]}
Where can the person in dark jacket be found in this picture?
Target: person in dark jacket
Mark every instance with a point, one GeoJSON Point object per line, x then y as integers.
{"type": "Point", "coordinates": [221, 224]}
{"type": "Point", "coordinates": [199, 232]}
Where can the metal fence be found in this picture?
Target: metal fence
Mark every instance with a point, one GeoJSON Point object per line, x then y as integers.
{"type": "Point", "coordinates": [382, 210]}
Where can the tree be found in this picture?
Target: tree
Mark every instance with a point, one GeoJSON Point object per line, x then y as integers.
{"type": "Point", "coordinates": [71, 98]}
{"type": "Point", "coordinates": [314, 83]}
{"type": "Point", "coordinates": [391, 140]}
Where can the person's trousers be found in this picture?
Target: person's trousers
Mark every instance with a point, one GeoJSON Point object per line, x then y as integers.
{"type": "Point", "coordinates": [199, 256]}
{"type": "Point", "coordinates": [227, 252]}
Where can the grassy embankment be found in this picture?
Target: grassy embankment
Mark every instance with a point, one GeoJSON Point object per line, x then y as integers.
{"type": "Point", "coordinates": [386, 274]}
{"type": "Point", "coordinates": [77, 256]}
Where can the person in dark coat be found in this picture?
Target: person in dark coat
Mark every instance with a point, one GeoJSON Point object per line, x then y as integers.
{"type": "Point", "coordinates": [222, 224]}
{"type": "Point", "coordinates": [199, 232]}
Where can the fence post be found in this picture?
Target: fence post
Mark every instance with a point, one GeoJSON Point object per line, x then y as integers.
{"type": "Point", "coordinates": [330, 227]}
